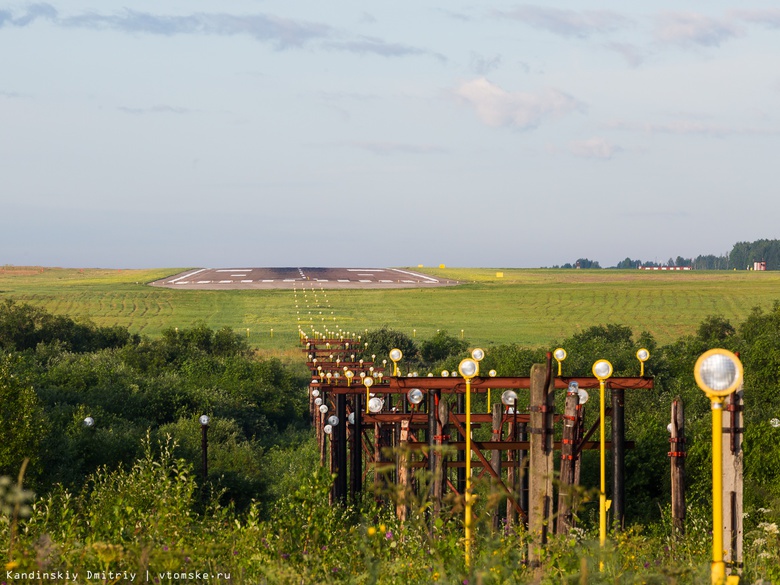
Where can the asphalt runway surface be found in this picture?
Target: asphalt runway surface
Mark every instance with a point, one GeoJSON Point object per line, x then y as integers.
{"type": "Point", "coordinates": [288, 278]}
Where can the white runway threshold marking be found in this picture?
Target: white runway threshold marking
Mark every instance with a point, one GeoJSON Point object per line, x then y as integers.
{"type": "Point", "coordinates": [416, 275]}
{"type": "Point", "coordinates": [183, 276]}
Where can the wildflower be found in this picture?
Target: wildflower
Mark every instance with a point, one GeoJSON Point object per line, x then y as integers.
{"type": "Point", "coordinates": [371, 531]}
{"type": "Point", "coordinates": [165, 548]}
{"type": "Point", "coordinates": [382, 527]}
{"type": "Point", "coordinates": [769, 528]}
{"type": "Point", "coordinates": [759, 541]}
{"type": "Point", "coordinates": [435, 576]}
{"type": "Point", "coordinates": [285, 556]}
{"type": "Point", "coordinates": [389, 535]}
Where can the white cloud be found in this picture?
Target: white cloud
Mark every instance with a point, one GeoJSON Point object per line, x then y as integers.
{"type": "Point", "coordinates": [633, 55]}
{"type": "Point", "coordinates": [497, 107]}
{"type": "Point", "coordinates": [567, 23]}
{"type": "Point", "coordinates": [592, 148]}
{"type": "Point", "coordinates": [769, 18]}
{"type": "Point", "coordinates": [685, 28]}
{"type": "Point", "coordinates": [692, 127]}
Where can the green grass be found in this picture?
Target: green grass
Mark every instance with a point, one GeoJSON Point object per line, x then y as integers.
{"type": "Point", "coordinates": [533, 307]}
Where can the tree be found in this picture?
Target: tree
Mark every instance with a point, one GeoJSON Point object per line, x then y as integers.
{"type": "Point", "coordinates": [441, 346]}
{"type": "Point", "coordinates": [381, 341]}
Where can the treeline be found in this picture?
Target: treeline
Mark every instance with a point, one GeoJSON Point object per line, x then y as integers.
{"type": "Point", "coordinates": [742, 257]}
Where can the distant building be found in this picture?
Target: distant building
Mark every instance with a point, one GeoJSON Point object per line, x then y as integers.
{"type": "Point", "coordinates": [759, 265]}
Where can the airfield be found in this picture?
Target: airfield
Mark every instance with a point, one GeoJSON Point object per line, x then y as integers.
{"type": "Point", "coordinates": [288, 278]}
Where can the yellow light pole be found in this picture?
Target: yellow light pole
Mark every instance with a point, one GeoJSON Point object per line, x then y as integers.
{"type": "Point", "coordinates": [642, 355]}
{"type": "Point", "coordinates": [468, 368]}
{"type": "Point", "coordinates": [718, 373]}
{"type": "Point", "coordinates": [492, 374]}
{"type": "Point", "coordinates": [559, 355]}
{"type": "Point", "coordinates": [368, 381]}
{"type": "Point", "coordinates": [602, 369]}
{"type": "Point", "coordinates": [395, 356]}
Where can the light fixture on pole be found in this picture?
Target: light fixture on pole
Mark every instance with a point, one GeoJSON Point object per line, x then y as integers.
{"type": "Point", "coordinates": [718, 373]}
{"type": "Point", "coordinates": [204, 444]}
{"type": "Point", "coordinates": [468, 368]}
{"type": "Point", "coordinates": [368, 381]}
{"type": "Point", "coordinates": [415, 397]}
{"type": "Point", "coordinates": [602, 369]}
{"type": "Point", "coordinates": [642, 355]}
{"type": "Point", "coordinates": [559, 355]}
{"type": "Point", "coordinates": [492, 374]}
{"type": "Point", "coordinates": [395, 356]}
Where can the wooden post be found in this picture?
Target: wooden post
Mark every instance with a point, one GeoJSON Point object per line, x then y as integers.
{"type": "Point", "coordinates": [568, 457]}
{"type": "Point", "coordinates": [356, 453]}
{"type": "Point", "coordinates": [402, 472]}
{"type": "Point", "coordinates": [495, 463]}
{"type": "Point", "coordinates": [512, 473]}
{"type": "Point", "coordinates": [542, 467]}
{"type": "Point", "coordinates": [677, 457]}
{"type": "Point", "coordinates": [461, 471]}
{"type": "Point", "coordinates": [618, 458]}
{"type": "Point", "coordinates": [339, 433]}
{"type": "Point", "coordinates": [445, 409]}
{"type": "Point", "coordinates": [733, 457]}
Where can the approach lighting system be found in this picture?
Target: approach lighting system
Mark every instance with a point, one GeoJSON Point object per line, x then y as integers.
{"type": "Point", "coordinates": [395, 356]}
{"type": "Point", "coordinates": [415, 396]}
{"type": "Point", "coordinates": [468, 368]}
{"type": "Point", "coordinates": [718, 373]}
{"type": "Point", "coordinates": [602, 369]}
{"type": "Point", "coordinates": [559, 355]}
{"type": "Point", "coordinates": [642, 355]}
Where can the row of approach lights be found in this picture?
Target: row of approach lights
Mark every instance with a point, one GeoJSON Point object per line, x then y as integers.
{"type": "Point", "coordinates": [642, 355]}
{"type": "Point", "coordinates": [468, 368]}
{"type": "Point", "coordinates": [90, 422]}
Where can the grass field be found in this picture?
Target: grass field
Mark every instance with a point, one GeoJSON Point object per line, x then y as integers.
{"type": "Point", "coordinates": [533, 307]}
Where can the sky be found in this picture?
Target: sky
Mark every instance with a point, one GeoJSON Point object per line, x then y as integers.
{"type": "Point", "coordinates": [352, 133]}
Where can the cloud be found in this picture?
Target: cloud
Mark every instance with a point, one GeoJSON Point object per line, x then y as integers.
{"type": "Point", "coordinates": [497, 107]}
{"type": "Point", "coordinates": [482, 65]}
{"type": "Point", "coordinates": [363, 45]}
{"type": "Point", "coordinates": [33, 12]}
{"type": "Point", "coordinates": [686, 28]}
{"type": "Point", "coordinates": [633, 55]}
{"type": "Point", "coordinates": [592, 148]}
{"type": "Point", "coordinates": [692, 127]}
{"type": "Point", "coordinates": [154, 110]}
{"type": "Point", "coordinates": [768, 18]}
{"type": "Point", "coordinates": [283, 33]}
{"type": "Point", "coordinates": [567, 23]}
{"type": "Point", "coordinates": [390, 148]}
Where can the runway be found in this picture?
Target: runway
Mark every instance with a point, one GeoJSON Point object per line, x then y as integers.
{"type": "Point", "coordinates": [288, 278]}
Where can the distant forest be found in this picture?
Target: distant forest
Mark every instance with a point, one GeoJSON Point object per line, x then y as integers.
{"type": "Point", "coordinates": [741, 257]}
